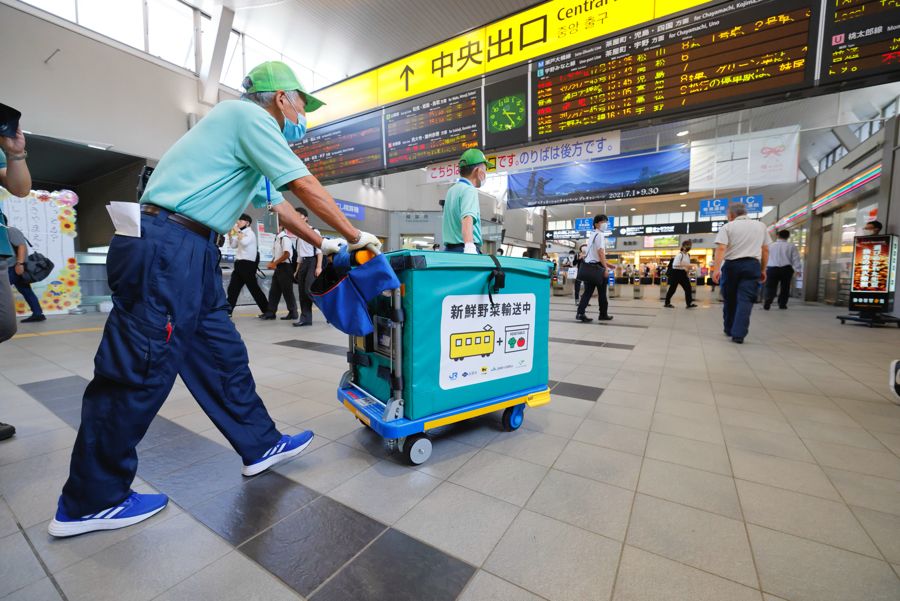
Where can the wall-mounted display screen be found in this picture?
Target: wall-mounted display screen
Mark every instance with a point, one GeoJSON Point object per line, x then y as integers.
{"type": "Point", "coordinates": [340, 150]}
{"type": "Point", "coordinates": [862, 38]}
{"type": "Point", "coordinates": [722, 54]}
{"type": "Point", "coordinates": [433, 128]}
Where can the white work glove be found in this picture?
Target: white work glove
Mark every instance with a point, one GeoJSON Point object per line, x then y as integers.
{"type": "Point", "coordinates": [366, 240]}
{"type": "Point", "coordinates": [331, 246]}
{"type": "Point", "coordinates": [469, 249]}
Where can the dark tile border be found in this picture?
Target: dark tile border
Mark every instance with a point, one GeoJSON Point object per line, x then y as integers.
{"type": "Point", "coordinates": [614, 345]}
{"type": "Point", "coordinates": [610, 324]}
{"type": "Point", "coordinates": [320, 347]}
{"type": "Point", "coordinates": [576, 391]}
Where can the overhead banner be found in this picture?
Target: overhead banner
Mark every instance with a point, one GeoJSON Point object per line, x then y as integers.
{"type": "Point", "coordinates": [628, 176]}
{"type": "Point", "coordinates": [543, 29]}
{"type": "Point", "coordinates": [585, 148]}
{"type": "Point", "coordinates": [718, 207]}
{"type": "Point", "coordinates": [755, 159]}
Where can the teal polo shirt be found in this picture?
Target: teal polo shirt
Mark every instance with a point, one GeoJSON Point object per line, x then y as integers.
{"type": "Point", "coordinates": [461, 201]}
{"type": "Point", "coordinates": [216, 169]}
{"type": "Point", "coordinates": [5, 247]}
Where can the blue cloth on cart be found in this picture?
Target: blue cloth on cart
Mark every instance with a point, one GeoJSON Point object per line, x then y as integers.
{"type": "Point", "coordinates": [343, 297]}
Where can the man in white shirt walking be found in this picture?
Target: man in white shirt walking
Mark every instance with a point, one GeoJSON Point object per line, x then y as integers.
{"type": "Point", "coordinates": [592, 272]}
{"type": "Point", "coordinates": [678, 274]}
{"type": "Point", "coordinates": [246, 261]}
{"type": "Point", "coordinates": [309, 266]}
{"type": "Point", "coordinates": [742, 252]}
{"type": "Point", "coordinates": [784, 262]}
{"type": "Point", "coordinates": [283, 278]}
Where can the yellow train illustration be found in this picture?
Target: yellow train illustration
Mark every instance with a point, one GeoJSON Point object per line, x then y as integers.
{"type": "Point", "coordinates": [472, 344]}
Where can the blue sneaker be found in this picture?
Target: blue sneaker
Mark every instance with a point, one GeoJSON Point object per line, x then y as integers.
{"type": "Point", "coordinates": [136, 508]}
{"type": "Point", "coordinates": [287, 447]}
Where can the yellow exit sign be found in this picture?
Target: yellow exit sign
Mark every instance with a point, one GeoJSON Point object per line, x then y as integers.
{"type": "Point", "coordinates": [543, 29]}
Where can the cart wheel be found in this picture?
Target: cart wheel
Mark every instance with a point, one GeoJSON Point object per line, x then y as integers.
{"type": "Point", "coordinates": [513, 418]}
{"type": "Point", "coordinates": [417, 449]}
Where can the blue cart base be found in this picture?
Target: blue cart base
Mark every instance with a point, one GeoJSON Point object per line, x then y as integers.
{"type": "Point", "coordinates": [409, 435]}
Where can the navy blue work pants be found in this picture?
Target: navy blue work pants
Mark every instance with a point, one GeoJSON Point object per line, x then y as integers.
{"type": "Point", "coordinates": [740, 284]}
{"type": "Point", "coordinates": [25, 290]}
{"type": "Point", "coordinates": [170, 318]}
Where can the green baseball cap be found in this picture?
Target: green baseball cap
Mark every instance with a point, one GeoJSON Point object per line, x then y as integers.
{"type": "Point", "coordinates": [472, 157]}
{"type": "Point", "coordinates": [273, 76]}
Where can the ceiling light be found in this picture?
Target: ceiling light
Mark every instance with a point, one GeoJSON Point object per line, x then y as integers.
{"type": "Point", "coordinates": [632, 209]}
{"type": "Point", "coordinates": [588, 212]}
{"type": "Point", "coordinates": [683, 194]}
{"type": "Point", "coordinates": [682, 133]}
{"type": "Point", "coordinates": [683, 205]}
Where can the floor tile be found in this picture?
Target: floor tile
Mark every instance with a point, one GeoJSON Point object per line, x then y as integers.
{"type": "Point", "coordinates": [598, 463]}
{"type": "Point", "coordinates": [399, 568]}
{"type": "Point", "coordinates": [884, 528]}
{"type": "Point", "coordinates": [198, 482]}
{"type": "Point", "coordinates": [648, 577]}
{"type": "Point", "coordinates": [327, 467]}
{"type": "Point", "coordinates": [687, 428]}
{"type": "Point", "coordinates": [623, 416]}
{"type": "Point", "coordinates": [571, 406]}
{"type": "Point", "coordinates": [18, 565]}
{"type": "Point", "coordinates": [176, 454]}
{"type": "Point", "coordinates": [692, 453]}
{"type": "Point", "coordinates": [871, 492]}
{"type": "Point", "coordinates": [577, 391]}
{"type": "Point", "coordinates": [804, 516]}
{"type": "Point", "coordinates": [689, 410]}
{"type": "Point", "coordinates": [675, 388]}
{"type": "Point", "coordinates": [587, 504]}
{"type": "Point", "coordinates": [7, 520]}
{"type": "Point", "coordinates": [633, 400]}
{"type": "Point", "coordinates": [459, 521]}
{"type": "Point", "coordinates": [42, 590]}
{"type": "Point", "coordinates": [176, 548]}
{"type": "Point", "coordinates": [802, 570]}
{"type": "Point", "coordinates": [301, 411]}
{"type": "Point", "coordinates": [786, 446]}
{"type": "Point", "coordinates": [329, 535]}
{"type": "Point", "coordinates": [447, 456]}
{"type": "Point", "coordinates": [333, 426]}
{"type": "Point", "coordinates": [232, 578]}
{"type": "Point", "coordinates": [487, 587]}
{"type": "Point", "coordinates": [853, 459]}
{"type": "Point", "coordinates": [636, 382]}
{"type": "Point", "coordinates": [800, 477]}
{"type": "Point", "coordinates": [835, 417]}
{"type": "Point", "coordinates": [31, 487]}
{"type": "Point", "coordinates": [689, 486]}
{"type": "Point", "coordinates": [534, 447]}
{"type": "Point", "coordinates": [621, 438]}
{"type": "Point", "coordinates": [550, 422]}
{"type": "Point", "coordinates": [555, 560]}
{"type": "Point", "coordinates": [754, 421]}
{"type": "Point", "coordinates": [385, 491]}
{"type": "Point", "coordinates": [700, 539]}
{"type": "Point", "coordinates": [244, 511]}
{"type": "Point", "coordinates": [506, 478]}
{"type": "Point", "coordinates": [854, 437]}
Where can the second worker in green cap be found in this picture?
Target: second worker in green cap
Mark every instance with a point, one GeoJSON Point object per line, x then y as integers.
{"type": "Point", "coordinates": [462, 211]}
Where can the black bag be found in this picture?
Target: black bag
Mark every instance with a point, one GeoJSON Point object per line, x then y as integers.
{"type": "Point", "coordinates": [669, 270]}
{"type": "Point", "coordinates": [37, 266]}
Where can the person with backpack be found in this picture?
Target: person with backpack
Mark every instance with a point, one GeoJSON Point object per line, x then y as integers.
{"type": "Point", "coordinates": [16, 273]}
{"type": "Point", "coordinates": [678, 275]}
{"type": "Point", "coordinates": [246, 263]}
{"type": "Point", "coordinates": [284, 260]}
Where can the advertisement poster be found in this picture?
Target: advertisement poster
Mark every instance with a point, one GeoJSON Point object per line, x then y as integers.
{"type": "Point", "coordinates": [482, 342]}
{"type": "Point", "coordinates": [48, 221]}
{"type": "Point", "coordinates": [756, 159]}
{"type": "Point", "coordinates": [628, 176]}
{"type": "Point", "coordinates": [874, 273]}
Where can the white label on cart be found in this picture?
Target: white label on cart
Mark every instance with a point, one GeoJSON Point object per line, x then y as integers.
{"type": "Point", "coordinates": [482, 342]}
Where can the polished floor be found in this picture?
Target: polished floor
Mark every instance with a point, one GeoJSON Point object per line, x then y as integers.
{"type": "Point", "coordinates": [671, 465]}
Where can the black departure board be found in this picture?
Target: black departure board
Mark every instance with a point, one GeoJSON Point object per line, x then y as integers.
{"type": "Point", "coordinates": [433, 128]}
{"type": "Point", "coordinates": [707, 58]}
{"type": "Point", "coordinates": [339, 150]}
{"type": "Point", "coordinates": [862, 38]}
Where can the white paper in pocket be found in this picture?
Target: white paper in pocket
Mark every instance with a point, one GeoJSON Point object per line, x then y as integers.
{"type": "Point", "coordinates": [126, 218]}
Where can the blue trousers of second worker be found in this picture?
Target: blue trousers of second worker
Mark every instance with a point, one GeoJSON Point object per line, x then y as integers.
{"type": "Point", "coordinates": [740, 283]}
{"type": "Point", "coordinates": [169, 318]}
{"type": "Point", "coordinates": [25, 290]}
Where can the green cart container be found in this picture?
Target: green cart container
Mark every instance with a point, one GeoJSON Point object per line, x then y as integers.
{"type": "Point", "coordinates": [475, 327]}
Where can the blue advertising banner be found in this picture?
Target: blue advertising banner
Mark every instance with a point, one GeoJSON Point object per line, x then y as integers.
{"type": "Point", "coordinates": [584, 225]}
{"type": "Point", "coordinates": [628, 176]}
{"type": "Point", "coordinates": [351, 210]}
{"type": "Point", "coordinates": [754, 203]}
{"type": "Point", "coordinates": [716, 207]}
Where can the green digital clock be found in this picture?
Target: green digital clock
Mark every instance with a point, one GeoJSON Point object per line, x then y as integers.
{"type": "Point", "coordinates": [506, 114]}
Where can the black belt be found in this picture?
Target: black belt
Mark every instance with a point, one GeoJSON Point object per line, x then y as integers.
{"type": "Point", "coordinates": [194, 226]}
